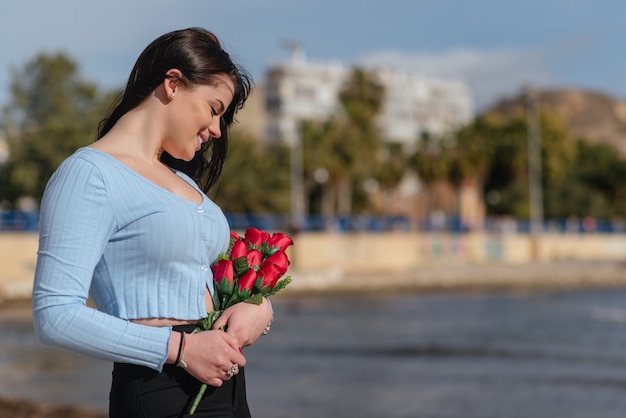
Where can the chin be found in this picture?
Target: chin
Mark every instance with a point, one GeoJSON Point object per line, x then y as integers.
{"type": "Point", "coordinates": [185, 157]}
{"type": "Point", "coordinates": [189, 155]}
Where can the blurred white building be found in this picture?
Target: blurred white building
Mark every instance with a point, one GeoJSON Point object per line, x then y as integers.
{"type": "Point", "coordinates": [413, 105]}
{"type": "Point", "coordinates": [298, 90]}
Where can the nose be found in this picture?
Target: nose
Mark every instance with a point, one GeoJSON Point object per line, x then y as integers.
{"type": "Point", "coordinates": [214, 128]}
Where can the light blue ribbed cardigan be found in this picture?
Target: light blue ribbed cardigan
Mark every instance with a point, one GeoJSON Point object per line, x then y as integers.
{"type": "Point", "coordinates": [137, 249]}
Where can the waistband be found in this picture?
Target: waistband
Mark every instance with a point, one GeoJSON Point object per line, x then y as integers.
{"type": "Point", "coordinates": [188, 328]}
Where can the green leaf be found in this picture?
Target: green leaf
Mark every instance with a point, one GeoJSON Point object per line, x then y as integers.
{"type": "Point", "coordinates": [230, 302]}
{"type": "Point", "coordinates": [240, 266]}
{"type": "Point", "coordinates": [207, 323]}
{"type": "Point", "coordinates": [256, 299]}
{"type": "Point", "coordinates": [281, 284]}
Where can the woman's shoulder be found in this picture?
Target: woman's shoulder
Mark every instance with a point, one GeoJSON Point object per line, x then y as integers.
{"type": "Point", "coordinates": [91, 154]}
{"type": "Point", "coordinates": [91, 157]}
{"type": "Point", "coordinates": [90, 166]}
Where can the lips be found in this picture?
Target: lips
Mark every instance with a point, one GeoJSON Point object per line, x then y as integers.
{"type": "Point", "coordinates": [201, 139]}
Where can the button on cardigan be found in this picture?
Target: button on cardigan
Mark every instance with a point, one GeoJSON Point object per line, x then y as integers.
{"type": "Point", "coordinates": [137, 249]}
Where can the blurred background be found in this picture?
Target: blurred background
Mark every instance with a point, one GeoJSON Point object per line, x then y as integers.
{"type": "Point", "coordinates": [453, 176]}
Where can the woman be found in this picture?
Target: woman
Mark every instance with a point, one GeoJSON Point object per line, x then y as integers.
{"type": "Point", "coordinates": [127, 222]}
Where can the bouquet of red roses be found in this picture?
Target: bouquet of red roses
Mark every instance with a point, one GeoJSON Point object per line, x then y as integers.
{"type": "Point", "coordinates": [253, 268]}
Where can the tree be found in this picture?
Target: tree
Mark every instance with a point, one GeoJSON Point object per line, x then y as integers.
{"type": "Point", "coordinates": [362, 99]}
{"type": "Point", "coordinates": [51, 113]}
{"type": "Point", "coordinates": [255, 179]}
{"type": "Point", "coordinates": [345, 146]}
{"type": "Point", "coordinates": [493, 152]}
{"type": "Point", "coordinates": [593, 185]}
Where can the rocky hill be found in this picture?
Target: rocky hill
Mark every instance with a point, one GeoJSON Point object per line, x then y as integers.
{"type": "Point", "coordinates": [595, 117]}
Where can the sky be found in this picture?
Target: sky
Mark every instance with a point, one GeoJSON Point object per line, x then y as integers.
{"type": "Point", "coordinates": [495, 46]}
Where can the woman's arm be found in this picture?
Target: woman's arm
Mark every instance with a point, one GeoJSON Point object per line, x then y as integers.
{"type": "Point", "coordinates": [76, 222]}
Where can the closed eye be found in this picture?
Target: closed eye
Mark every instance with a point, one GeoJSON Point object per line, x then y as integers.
{"type": "Point", "coordinates": [221, 108]}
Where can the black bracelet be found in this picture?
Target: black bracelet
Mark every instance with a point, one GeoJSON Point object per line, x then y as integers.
{"type": "Point", "coordinates": [180, 348]}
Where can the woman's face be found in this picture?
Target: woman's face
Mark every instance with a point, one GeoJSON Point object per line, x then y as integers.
{"type": "Point", "coordinates": [193, 117]}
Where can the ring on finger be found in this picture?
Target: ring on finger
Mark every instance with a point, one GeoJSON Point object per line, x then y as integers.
{"type": "Point", "coordinates": [233, 371]}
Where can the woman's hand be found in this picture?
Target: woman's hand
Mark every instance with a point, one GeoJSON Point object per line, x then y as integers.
{"type": "Point", "coordinates": [245, 321]}
{"type": "Point", "coordinates": [208, 356]}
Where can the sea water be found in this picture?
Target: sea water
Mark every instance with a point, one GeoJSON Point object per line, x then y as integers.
{"type": "Point", "coordinates": [446, 355]}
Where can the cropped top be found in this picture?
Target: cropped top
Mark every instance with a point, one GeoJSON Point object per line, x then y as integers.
{"type": "Point", "coordinates": [138, 250]}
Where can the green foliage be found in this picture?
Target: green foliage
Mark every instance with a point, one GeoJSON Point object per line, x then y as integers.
{"type": "Point", "coordinates": [494, 151]}
{"type": "Point", "coordinates": [346, 146]}
{"type": "Point", "coordinates": [593, 185]}
{"type": "Point", "coordinates": [579, 178]}
{"type": "Point", "coordinates": [432, 159]}
{"type": "Point", "coordinates": [280, 285]}
{"type": "Point", "coordinates": [51, 113]}
{"type": "Point", "coordinates": [255, 179]}
{"type": "Point", "coordinates": [392, 165]}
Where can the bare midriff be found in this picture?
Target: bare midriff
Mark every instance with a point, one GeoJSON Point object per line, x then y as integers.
{"type": "Point", "coordinates": [162, 322]}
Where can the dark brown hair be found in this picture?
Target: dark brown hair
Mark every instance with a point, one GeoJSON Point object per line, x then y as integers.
{"type": "Point", "coordinates": [199, 56]}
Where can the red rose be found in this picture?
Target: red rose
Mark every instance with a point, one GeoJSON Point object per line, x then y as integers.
{"type": "Point", "coordinates": [223, 269]}
{"type": "Point", "coordinates": [280, 259]}
{"type": "Point", "coordinates": [270, 274]}
{"type": "Point", "coordinates": [224, 276]}
{"type": "Point", "coordinates": [247, 280]}
{"type": "Point", "coordinates": [255, 258]}
{"type": "Point", "coordinates": [279, 240]}
{"type": "Point", "coordinates": [256, 237]}
{"type": "Point", "coordinates": [245, 284]}
{"type": "Point", "coordinates": [239, 250]}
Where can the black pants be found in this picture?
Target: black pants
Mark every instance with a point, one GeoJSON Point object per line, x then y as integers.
{"type": "Point", "coordinates": [141, 392]}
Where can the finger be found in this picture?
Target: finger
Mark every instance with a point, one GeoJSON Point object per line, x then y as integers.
{"type": "Point", "coordinates": [232, 353]}
{"type": "Point", "coordinates": [239, 359]}
{"type": "Point", "coordinates": [216, 382]}
{"type": "Point", "coordinates": [234, 370]}
{"type": "Point", "coordinates": [232, 341]}
{"type": "Point", "coordinates": [220, 323]}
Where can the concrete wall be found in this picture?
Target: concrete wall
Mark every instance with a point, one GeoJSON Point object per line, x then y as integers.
{"type": "Point", "coordinates": [18, 256]}
{"type": "Point", "coordinates": [401, 252]}
{"type": "Point", "coordinates": [386, 252]}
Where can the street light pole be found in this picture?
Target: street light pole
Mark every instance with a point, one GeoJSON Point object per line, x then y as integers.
{"type": "Point", "coordinates": [535, 188]}
{"type": "Point", "coordinates": [297, 181]}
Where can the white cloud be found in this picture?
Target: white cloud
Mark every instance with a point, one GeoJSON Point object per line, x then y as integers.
{"type": "Point", "coordinates": [490, 74]}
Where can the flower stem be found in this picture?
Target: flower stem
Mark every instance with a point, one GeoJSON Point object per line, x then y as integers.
{"type": "Point", "coordinates": [196, 401]}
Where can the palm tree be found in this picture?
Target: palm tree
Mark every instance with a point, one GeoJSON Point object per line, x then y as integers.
{"type": "Point", "coordinates": [345, 146]}
{"type": "Point", "coordinates": [362, 98]}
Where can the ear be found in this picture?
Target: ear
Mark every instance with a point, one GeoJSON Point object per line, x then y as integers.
{"type": "Point", "coordinates": [171, 82]}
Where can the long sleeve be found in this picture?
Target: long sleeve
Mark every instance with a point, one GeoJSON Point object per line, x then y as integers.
{"type": "Point", "coordinates": [77, 220]}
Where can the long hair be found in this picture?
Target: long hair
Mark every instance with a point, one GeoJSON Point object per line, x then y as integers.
{"type": "Point", "coordinates": [199, 56]}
